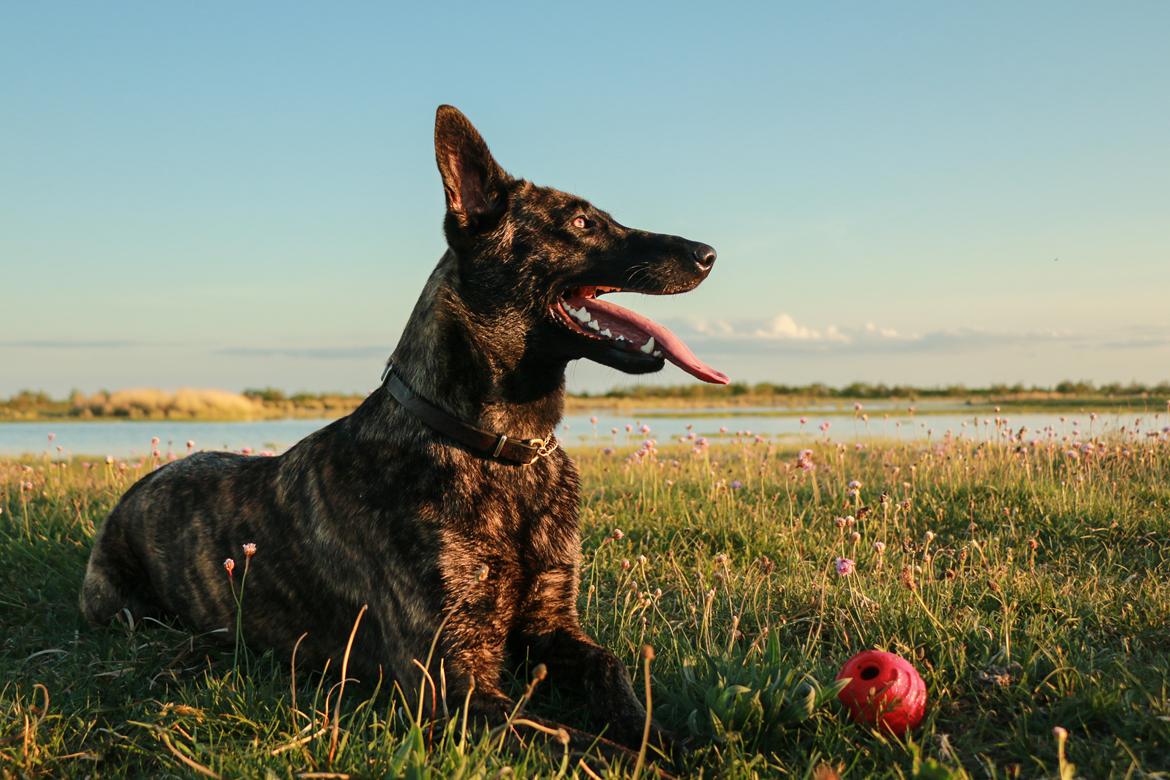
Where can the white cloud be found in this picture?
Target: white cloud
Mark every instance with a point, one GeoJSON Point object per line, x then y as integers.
{"type": "Point", "coordinates": [713, 328]}
{"type": "Point", "coordinates": [886, 333]}
{"type": "Point", "coordinates": [782, 332]}
{"type": "Point", "coordinates": [783, 327]}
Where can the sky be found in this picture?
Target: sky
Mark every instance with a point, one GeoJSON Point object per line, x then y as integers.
{"type": "Point", "coordinates": [244, 194]}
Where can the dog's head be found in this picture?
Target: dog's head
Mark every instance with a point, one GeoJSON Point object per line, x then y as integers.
{"type": "Point", "coordinates": [532, 263]}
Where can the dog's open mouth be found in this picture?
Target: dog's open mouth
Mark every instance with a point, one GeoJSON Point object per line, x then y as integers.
{"type": "Point", "coordinates": [583, 311]}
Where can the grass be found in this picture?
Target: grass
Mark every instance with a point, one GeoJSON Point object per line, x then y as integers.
{"type": "Point", "coordinates": [1027, 582]}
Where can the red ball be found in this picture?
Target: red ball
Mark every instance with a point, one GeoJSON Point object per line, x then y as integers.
{"type": "Point", "coordinates": [884, 688]}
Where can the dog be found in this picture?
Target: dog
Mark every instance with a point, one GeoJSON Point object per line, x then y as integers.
{"type": "Point", "coordinates": [442, 508]}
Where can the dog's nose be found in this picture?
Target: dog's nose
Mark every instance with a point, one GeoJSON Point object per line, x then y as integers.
{"type": "Point", "coordinates": [704, 257]}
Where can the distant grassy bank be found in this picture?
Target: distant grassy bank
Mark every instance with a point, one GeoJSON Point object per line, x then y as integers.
{"type": "Point", "coordinates": [271, 403]}
{"type": "Point", "coordinates": [185, 404]}
{"type": "Point", "coordinates": [819, 394]}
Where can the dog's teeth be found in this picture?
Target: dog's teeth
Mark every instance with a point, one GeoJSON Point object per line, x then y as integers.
{"type": "Point", "coordinates": [594, 324]}
{"type": "Point", "coordinates": [619, 337]}
{"type": "Point", "coordinates": [607, 333]}
{"type": "Point", "coordinates": [657, 353]}
{"type": "Point", "coordinates": [648, 347]}
{"type": "Point", "coordinates": [582, 315]}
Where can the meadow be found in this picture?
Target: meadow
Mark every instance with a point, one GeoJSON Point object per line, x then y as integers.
{"type": "Point", "coordinates": [1023, 572]}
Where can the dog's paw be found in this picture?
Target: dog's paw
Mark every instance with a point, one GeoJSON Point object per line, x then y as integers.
{"type": "Point", "coordinates": [669, 747]}
{"type": "Point", "coordinates": [663, 745]}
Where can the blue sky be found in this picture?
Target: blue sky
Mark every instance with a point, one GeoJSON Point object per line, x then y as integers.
{"type": "Point", "coordinates": [238, 195]}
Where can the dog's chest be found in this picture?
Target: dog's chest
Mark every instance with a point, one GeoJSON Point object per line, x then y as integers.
{"type": "Point", "coordinates": [499, 535]}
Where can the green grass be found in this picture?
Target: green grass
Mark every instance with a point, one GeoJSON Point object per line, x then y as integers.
{"type": "Point", "coordinates": [1041, 600]}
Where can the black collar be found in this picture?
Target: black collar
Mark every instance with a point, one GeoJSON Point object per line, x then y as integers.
{"type": "Point", "coordinates": [523, 452]}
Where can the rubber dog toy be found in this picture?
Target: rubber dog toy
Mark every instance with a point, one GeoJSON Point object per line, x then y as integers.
{"type": "Point", "coordinates": [884, 689]}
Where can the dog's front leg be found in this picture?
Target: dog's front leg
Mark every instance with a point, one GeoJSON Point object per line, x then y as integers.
{"type": "Point", "coordinates": [472, 670]}
{"type": "Point", "coordinates": [549, 632]}
{"type": "Point", "coordinates": [473, 656]}
{"type": "Point", "coordinates": [474, 641]}
{"type": "Point", "coordinates": [579, 665]}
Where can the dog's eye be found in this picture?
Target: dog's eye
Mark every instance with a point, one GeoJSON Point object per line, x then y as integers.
{"type": "Point", "coordinates": [581, 222]}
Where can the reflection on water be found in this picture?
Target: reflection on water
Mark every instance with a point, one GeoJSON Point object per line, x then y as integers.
{"type": "Point", "coordinates": [133, 439]}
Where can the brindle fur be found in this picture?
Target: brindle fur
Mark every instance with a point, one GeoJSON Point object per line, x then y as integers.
{"type": "Point", "coordinates": [378, 509]}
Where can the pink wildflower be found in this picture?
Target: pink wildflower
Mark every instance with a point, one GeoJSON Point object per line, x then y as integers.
{"type": "Point", "coordinates": [845, 566]}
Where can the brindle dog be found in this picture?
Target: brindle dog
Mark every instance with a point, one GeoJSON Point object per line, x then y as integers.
{"type": "Point", "coordinates": [380, 509]}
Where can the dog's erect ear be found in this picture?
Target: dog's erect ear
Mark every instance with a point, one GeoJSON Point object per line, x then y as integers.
{"type": "Point", "coordinates": [472, 180]}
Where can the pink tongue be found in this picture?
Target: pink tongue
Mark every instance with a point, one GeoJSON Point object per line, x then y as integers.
{"type": "Point", "coordinates": [631, 324]}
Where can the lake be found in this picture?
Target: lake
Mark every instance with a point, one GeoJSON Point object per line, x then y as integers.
{"type": "Point", "coordinates": [131, 439]}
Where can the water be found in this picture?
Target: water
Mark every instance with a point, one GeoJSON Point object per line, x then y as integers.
{"type": "Point", "coordinates": [133, 439]}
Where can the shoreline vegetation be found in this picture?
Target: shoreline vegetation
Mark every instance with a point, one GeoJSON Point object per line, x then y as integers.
{"type": "Point", "coordinates": [206, 405]}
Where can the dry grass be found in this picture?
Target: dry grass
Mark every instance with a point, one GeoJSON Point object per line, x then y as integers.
{"type": "Point", "coordinates": [1027, 579]}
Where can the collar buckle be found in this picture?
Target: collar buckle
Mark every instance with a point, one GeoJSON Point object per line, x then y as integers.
{"type": "Point", "coordinates": [543, 447]}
